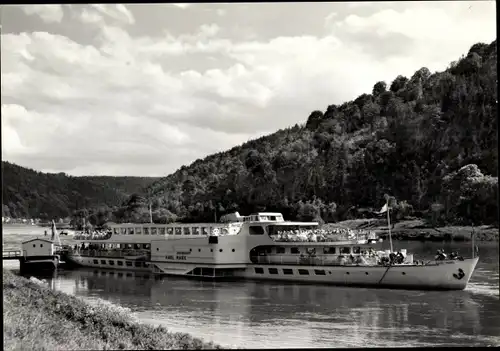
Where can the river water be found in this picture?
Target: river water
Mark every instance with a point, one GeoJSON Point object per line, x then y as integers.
{"type": "Point", "coordinates": [255, 314]}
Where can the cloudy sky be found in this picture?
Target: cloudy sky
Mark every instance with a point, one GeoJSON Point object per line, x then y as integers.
{"type": "Point", "coordinates": [143, 89]}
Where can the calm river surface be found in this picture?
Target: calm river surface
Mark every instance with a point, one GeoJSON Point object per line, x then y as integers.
{"type": "Point", "coordinates": [277, 315]}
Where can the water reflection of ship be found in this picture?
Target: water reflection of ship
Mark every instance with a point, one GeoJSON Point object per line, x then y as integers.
{"type": "Point", "coordinates": [210, 309]}
{"type": "Point", "coordinates": [108, 282]}
{"type": "Point", "coordinates": [362, 315]}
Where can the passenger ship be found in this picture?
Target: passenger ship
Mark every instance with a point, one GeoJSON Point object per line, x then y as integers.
{"type": "Point", "coordinates": [264, 246]}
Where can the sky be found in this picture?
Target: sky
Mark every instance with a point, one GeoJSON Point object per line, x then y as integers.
{"type": "Point", "coordinates": [142, 89]}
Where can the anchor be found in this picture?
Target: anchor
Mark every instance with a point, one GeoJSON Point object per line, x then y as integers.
{"type": "Point", "coordinates": [460, 274]}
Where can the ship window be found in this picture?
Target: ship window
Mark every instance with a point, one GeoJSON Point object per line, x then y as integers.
{"type": "Point", "coordinates": [345, 250]}
{"type": "Point", "coordinates": [204, 230]}
{"type": "Point", "coordinates": [111, 262]}
{"type": "Point", "coordinates": [196, 230]}
{"type": "Point", "coordinates": [259, 270]}
{"type": "Point", "coordinates": [162, 231]}
{"type": "Point", "coordinates": [233, 250]}
{"type": "Point", "coordinates": [220, 250]}
{"type": "Point", "coordinates": [157, 249]}
{"type": "Point", "coordinates": [329, 250]}
{"type": "Point", "coordinates": [170, 231]}
{"type": "Point", "coordinates": [153, 231]}
{"type": "Point", "coordinates": [273, 270]}
{"type": "Point", "coordinates": [128, 264]}
{"type": "Point", "coordinates": [139, 230]}
{"type": "Point", "coordinates": [199, 250]}
{"type": "Point", "coordinates": [280, 249]}
{"type": "Point", "coordinates": [146, 231]}
{"type": "Point", "coordinates": [272, 218]}
{"type": "Point", "coordinates": [145, 246]}
{"type": "Point", "coordinates": [131, 230]}
{"type": "Point", "coordinates": [103, 261]}
{"type": "Point", "coordinates": [120, 263]}
{"type": "Point", "coordinates": [138, 264]}
{"type": "Point", "coordinates": [34, 245]}
{"type": "Point", "coordinates": [116, 231]}
{"type": "Point", "coordinates": [356, 249]}
{"type": "Point", "coordinates": [256, 230]}
{"type": "Point", "coordinates": [319, 272]}
{"type": "Point", "coordinates": [295, 250]}
{"type": "Point", "coordinates": [96, 261]}
{"type": "Point", "coordinates": [178, 231]}
{"type": "Point", "coordinates": [120, 274]}
{"type": "Point", "coordinates": [187, 231]}
{"type": "Point", "coordinates": [41, 245]}
{"type": "Point", "coordinates": [303, 272]}
{"type": "Point", "coordinates": [287, 271]}
{"type": "Point", "coordinates": [347, 273]}
{"type": "Point", "coordinates": [225, 231]}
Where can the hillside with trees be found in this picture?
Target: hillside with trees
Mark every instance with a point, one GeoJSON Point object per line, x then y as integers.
{"type": "Point", "coordinates": [429, 140]}
{"type": "Point", "coordinates": [30, 194]}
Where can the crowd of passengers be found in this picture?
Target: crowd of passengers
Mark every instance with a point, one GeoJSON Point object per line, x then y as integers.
{"type": "Point", "coordinates": [94, 234]}
{"type": "Point", "coordinates": [320, 235]}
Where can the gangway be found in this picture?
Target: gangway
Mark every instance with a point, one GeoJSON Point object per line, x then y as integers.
{"type": "Point", "coordinates": [11, 255]}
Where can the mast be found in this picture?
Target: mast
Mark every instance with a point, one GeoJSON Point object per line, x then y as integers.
{"type": "Point", "coordinates": [150, 207]}
{"type": "Point", "coordinates": [389, 224]}
{"type": "Point", "coordinates": [472, 235]}
{"type": "Point", "coordinates": [150, 213]}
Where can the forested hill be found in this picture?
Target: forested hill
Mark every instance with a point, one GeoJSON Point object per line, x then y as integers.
{"type": "Point", "coordinates": [429, 140]}
{"type": "Point", "coordinates": [30, 194]}
{"type": "Point", "coordinates": [125, 185]}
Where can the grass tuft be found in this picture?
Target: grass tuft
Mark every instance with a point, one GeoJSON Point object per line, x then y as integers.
{"type": "Point", "coordinates": [37, 318]}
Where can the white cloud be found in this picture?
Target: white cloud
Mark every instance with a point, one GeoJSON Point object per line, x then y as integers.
{"type": "Point", "coordinates": [48, 13]}
{"type": "Point", "coordinates": [122, 109]}
{"type": "Point", "coordinates": [87, 16]}
{"type": "Point", "coordinates": [117, 12]}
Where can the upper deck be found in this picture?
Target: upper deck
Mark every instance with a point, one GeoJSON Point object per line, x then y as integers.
{"type": "Point", "coordinates": [270, 223]}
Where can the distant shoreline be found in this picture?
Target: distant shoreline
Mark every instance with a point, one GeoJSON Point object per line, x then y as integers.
{"type": "Point", "coordinates": [69, 323]}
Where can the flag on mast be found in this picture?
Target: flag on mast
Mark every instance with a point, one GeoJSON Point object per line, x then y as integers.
{"type": "Point", "coordinates": [383, 209]}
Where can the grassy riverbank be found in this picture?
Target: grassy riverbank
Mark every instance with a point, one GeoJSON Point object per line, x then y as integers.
{"type": "Point", "coordinates": [416, 229]}
{"type": "Point", "coordinates": [37, 318]}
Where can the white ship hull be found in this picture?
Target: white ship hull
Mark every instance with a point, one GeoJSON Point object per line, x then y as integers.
{"type": "Point", "coordinates": [104, 262]}
{"type": "Point", "coordinates": [450, 275]}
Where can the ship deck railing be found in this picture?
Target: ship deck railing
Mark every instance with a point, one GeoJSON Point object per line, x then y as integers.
{"type": "Point", "coordinates": [92, 236]}
{"type": "Point", "coordinates": [321, 238]}
{"type": "Point", "coordinates": [112, 253]}
{"type": "Point", "coordinates": [321, 260]}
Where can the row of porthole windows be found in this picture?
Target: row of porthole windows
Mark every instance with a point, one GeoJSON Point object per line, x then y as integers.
{"type": "Point", "coordinates": [289, 271]}
{"type": "Point", "coordinates": [120, 263]}
{"type": "Point", "coordinates": [34, 245]}
{"type": "Point", "coordinates": [199, 250]}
